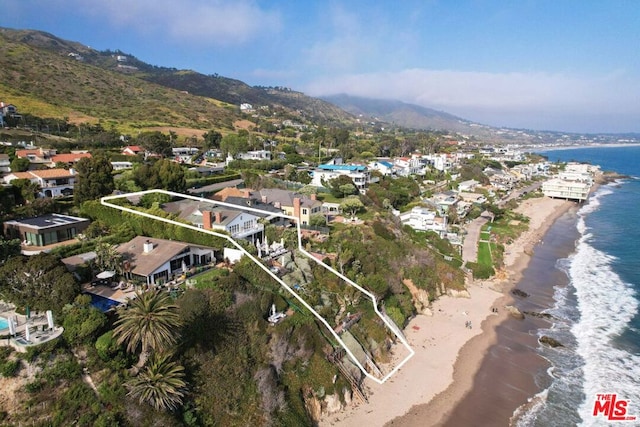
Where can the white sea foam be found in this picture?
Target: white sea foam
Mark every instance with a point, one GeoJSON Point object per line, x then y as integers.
{"type": "Point", "coordinates": [606, 304]}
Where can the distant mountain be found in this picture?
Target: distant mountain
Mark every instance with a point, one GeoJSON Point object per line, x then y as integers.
{"type": "Point", "coordinates": [401, 114]}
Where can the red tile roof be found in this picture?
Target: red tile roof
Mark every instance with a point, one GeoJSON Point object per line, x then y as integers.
{"type": "Point", "coordinates": [69, 157]}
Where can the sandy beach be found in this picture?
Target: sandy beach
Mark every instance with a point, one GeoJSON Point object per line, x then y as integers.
{"type": "Point", "coordinates": [448, 354]}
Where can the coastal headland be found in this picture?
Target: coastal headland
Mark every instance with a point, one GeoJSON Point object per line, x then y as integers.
{"type": "Point", "coordinates": [449, 353]}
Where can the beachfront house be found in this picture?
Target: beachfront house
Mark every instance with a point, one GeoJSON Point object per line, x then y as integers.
{"type": "Point", "coordinates": [157, 261]}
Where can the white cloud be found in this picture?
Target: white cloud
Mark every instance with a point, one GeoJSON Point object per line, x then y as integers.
{"type": "Point", "coordinates": [510, 99]}
{"type": "Point", "coordinates": [222, 22]}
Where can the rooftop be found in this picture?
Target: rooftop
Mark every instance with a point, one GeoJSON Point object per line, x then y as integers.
{"type": "Point", "coordinates": [47, 221]}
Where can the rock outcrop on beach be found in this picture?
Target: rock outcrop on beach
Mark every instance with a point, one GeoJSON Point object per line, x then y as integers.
{"type": "Point", "coordinates": [514, 311]}
{"type": "Point", "coordinates": [551, 342]}
{"type": "Point", "coordinates": [519, 293]}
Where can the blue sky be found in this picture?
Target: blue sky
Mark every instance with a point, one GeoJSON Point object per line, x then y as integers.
{"type": "Point", "coordinates": [571, 65]}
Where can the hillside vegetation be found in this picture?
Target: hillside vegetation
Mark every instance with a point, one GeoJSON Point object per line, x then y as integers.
{"type": "Point", "coordinates": [40, 76]}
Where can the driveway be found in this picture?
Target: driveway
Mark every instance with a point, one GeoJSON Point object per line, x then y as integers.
{"type": "Point", "coordinates": [470, 245]}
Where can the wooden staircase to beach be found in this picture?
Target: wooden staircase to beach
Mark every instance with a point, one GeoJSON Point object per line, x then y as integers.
{"type": "Point", "coordinates": [336, 357]}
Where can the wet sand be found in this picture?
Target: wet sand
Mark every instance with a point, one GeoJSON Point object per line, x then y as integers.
{"type": "Point", "coordinates": [496, 372]}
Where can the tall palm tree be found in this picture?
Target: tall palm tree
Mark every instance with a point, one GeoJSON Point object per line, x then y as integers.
{"type": "Point", "coordinates": [151, 323]}
{"type": "Point", "coordinates": [160, 384]}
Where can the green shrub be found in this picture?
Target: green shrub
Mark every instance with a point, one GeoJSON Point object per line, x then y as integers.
{"type": "Point", "coordinates": [106, 346]}
{"type": "Point", "coordinates": [10, 368]}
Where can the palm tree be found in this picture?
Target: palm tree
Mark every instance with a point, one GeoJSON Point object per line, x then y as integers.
{"type": "Point", "coordinates": [150, 323]}
{"type": "Point", "coordinates": [160, 384]}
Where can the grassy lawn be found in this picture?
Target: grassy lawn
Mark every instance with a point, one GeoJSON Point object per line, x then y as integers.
{"type": "Point", "coordinates": [484, 254]}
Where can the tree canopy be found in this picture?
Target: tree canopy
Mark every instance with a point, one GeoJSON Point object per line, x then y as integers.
{"type": "Point", "coordinates": [94, 179]}
{"type": "Point", "coordinates": [163, 174]}
{"type": "Point", "coordinates": [40, 281]}
{"type": "Point", "coordinates": [156, 142]}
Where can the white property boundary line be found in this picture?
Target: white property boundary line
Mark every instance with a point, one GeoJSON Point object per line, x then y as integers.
{"type": "Point", "coordinates": [394, 328]}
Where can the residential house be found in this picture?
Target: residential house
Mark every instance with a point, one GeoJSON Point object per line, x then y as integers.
{"type": "Point", "coordinates": [441, 161]}
{"type": "Point", "coordinates": [37, 156]}
{"type": "Point", "coordinates": [52, 182]}
{"type": "Point", "coordinates": [184, 154]}
{"type": "Point", "coordinates": [292, 204]}
{"type": "Point", "coordinates": [255, 155]}
{"type": "Point", "coordinates": [69, 158]}
{"type": "Point", "coordinates": [132, 150]}
{"type": "Point", "coordinates": [359, 174]}
{"type": "Point", "coordinates": [237, 223]}
{"type": "Point", "coordinates": [45, 230]}
{"type": "Point", "coordinates": [425, 219]}
{"type": "Point", "coordinates": [383, 166]}
{"type": "Point", "coordinates": [118, 166]}
{"type": "Point", "coordinates": [468, 186]}
{"type": "Point", "coordinates": [569, 190]}
{"type": "Point", "coordinates": [445, 201]}
{"type": "Point", "coordinates": [157, 261]}
{"type": "Point", "coordinates": [475, 198]}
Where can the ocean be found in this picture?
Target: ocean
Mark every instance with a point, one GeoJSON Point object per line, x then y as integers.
{"type": "Point", "coordinates": [595, 315]}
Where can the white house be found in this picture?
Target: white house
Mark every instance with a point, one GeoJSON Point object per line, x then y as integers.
{"type": "Point", "coordinates": [118, 166]}
{"type": "Point", "coordinates": [468, 186]}
{"type": "Point", "coordinates": [424, 219]}
{"type": "Point", "coordinates": [5, 163]}
{"type": "Point", "coordinates": [382, 166]}
{"type": "Point", "coordinates": [569, 190]}
{"type": "Point", "coordinates": [255, 155]}
{"type": "Point", "coordinates": [52, 182]}
{"type": "Point", "coordinates": [359, 174]}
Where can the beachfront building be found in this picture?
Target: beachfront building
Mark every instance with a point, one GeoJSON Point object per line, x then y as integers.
{"type": "Point", "coordinates": [425, 219]}
{"type": "Point", "coordinates": [45, 230]}
{"type": "Point", "coordinates": [237, 223]}
{"type": "Point", "coordinates": [568, 190]}
{"type": "Point", "coordinates": [157, 261]}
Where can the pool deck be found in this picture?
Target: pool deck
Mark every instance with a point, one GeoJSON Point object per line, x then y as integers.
{"type": "Point", "coordinates": [39, 331]}
{"type": "Point", "coordinates": [120, 295]}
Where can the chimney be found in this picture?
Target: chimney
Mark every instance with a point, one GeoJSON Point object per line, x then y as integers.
{"type": "Point", "coordinates": [246, 193]}
{"type": "Point", "coordinates": [206, 220]}
{"type": "Point", "coordinates": [314, 196]}
{"type": "Point", "coordinates": [218, 217]}
{"type": "Point", "coordinates": [296, 207]}
{"type": "Point", "coordinates": [147, 247]}
{"type": "Point", "coordinates": [264, 199]}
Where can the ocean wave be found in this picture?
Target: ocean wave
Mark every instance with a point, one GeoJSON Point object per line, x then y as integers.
{"type": "Point", "coordinates": [606, 304]}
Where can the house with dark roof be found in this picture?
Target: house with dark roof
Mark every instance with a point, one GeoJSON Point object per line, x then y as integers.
{"type": "Point", "coordinates": [157, 261]}
{"type": "Point", "coordinates": [46, 229]}
{"type": "Point", "coordinates": [237, 223]}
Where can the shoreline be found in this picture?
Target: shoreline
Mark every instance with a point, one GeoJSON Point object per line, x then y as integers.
{"type": "Point", "coordinates": [448, 355]}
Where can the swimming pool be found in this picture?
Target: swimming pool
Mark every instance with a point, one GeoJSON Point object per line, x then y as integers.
{"type": "Point", "coordinates": [4, 323]}
{"type": "Point", "coordinates": [103, 303]}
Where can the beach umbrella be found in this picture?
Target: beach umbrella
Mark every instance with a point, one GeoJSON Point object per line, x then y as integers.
{"type": "Point", "coordinates": [50, 319]}
{"type": "Point", "coordinates": [12, 327]}
{"type": "Point", "coordinates": [106, 274]}
{"type": "Point", "coordinates": [27, 334]}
